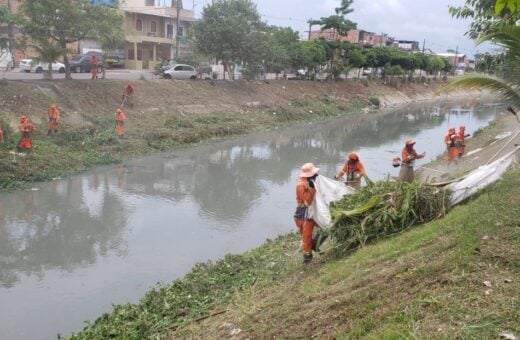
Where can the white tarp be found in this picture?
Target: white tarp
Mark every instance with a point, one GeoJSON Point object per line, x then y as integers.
{"type": "Point", "coordinates": [327, 190]}
{"type": "Point", "coordinates": [480, 178]}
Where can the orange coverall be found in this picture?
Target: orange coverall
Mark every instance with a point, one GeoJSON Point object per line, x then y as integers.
{"type": "Point", "coordinates": [120, 122]}
{"type": "Point", "coordinates": [94, 70]}
{"type": "Point", "coordinates": [128, 93]}
{"type": "Point", "coordinates": [451, 139]}
{"type": "Point", "coordinates": [25, 142]}
{"type": "Point", "coordinates": [408, 157]}
{"type": "Point", "coordinates": [462, 136]}
{"type": "Point", "coordinates": [354, 170]}
{"type": "Point", "coordinates": [54, 117]}
{"type": "Point", "coordinates": [1, 133]}
{"type": "Point", "coordinates": [304, 197]}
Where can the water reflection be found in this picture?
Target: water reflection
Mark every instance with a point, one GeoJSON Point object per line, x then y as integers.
{"type": "Point", "coordinates": [115, 231]}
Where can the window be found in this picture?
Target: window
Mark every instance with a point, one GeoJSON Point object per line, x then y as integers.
{"type": "Point", "coordinates": [153, 27]}
{"type": "Point", "coordinates": [139, 25]}
{"type": "Point", "coordinates": [149, 3]}
{"type": "Point", "coordinates": [131, 54]}
{"type": "Point", "coordinates": [181, 31]}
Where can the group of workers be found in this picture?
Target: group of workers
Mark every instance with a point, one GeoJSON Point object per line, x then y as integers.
{"type": "Point", "coordinates": [353, 170]}
{"type": "Point", "coordinates": [27, 128]}
{"type": "Point", "coordinates": [454, 141]}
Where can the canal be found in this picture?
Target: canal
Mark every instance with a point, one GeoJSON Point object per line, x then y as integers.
{"type": "Point", "coordinates": [71, 248]}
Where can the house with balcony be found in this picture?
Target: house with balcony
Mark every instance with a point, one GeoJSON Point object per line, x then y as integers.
{"type": "Point", "coordinates": [151, 31]}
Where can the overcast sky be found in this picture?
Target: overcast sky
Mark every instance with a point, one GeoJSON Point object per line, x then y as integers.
{"type": "Point", "coordinates": [402, 19]}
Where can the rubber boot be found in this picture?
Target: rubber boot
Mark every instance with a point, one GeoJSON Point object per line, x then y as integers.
{"type": "Point", "coordinates": [307, 258]}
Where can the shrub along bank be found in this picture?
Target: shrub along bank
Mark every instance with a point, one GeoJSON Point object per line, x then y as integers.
{"type": "Point", "coordinates": [455, 277]}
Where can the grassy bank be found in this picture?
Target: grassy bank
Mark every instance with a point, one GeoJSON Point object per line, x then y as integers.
{"type": "Point", "coordinates": [166, 114]}
{"type": "Point", "coordinates": [457, 277]}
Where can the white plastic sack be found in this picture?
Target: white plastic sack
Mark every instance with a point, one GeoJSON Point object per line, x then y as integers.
{"type": "Point", "coordinates": [327, 191]}
{"type": "Point", "coordinates": [480, 178]}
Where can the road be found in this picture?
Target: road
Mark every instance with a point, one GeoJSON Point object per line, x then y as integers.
{"type": "Point", "coordinates": [123, 74]}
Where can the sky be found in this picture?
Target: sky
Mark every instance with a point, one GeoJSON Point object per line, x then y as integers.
{"type": "Point", "coordinates": [417, 20]}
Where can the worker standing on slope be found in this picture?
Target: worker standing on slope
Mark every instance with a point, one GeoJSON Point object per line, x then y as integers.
{"type": "Point", "coordinates": [25, 142]}
{"type": "Point", "coordinates": [408, 157]}
{"type": "Point", "coordinates": [305, 193]}
{"type": "Point", "coordinates": [462, 138]}
{"type": "Point", "coordinates": [94, 61]}
{"type": "Point", "coordinates": [128, 95]}
{"type": "Point", "coordinates": [451, 139]}
{"type": "Point", "coordinates": [354, 170]}
{"type": "Point", "coordinates": [1, 133]}
{"type": "Point", "coordinates": [54, 117]}
{"type": "Point", "coordinates": [120, 123]}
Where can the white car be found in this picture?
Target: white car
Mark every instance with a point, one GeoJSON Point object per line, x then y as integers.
{"type": "Point", "coordinates": [181, 71]}
{"type": "Point", "coordinates": [29, 65]}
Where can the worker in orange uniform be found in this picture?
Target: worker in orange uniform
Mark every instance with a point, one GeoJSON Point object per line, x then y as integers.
{"type": "Point", "coordinates": [408, 157]}
{"type": "Point", "coordinates": [54, 117]}
{"type": "Point", "coordinates": [120, 122]}
{"type": "Point", "coordinates": [451, 139]}
{"type": "Point", "coordinates": [354, 170]}
{"type": "Point", "coordinates": [25, 142]}
{"type": "Point", "coordinates": [94, 61]}
{"type": "Point", "coordinates": [305, 192]}
{"type": "Point", "coordinates": [128, 95]}
{"type": "Point", "coordinates": [1, 133]}
{"type": "Point", "coordinates": [462, 138]}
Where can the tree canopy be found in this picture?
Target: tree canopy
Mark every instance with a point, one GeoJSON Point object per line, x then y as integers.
{"type": "Point", "coordinates": [230, 31]}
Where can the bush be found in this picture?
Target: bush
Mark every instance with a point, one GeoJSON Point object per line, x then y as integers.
{"type": "Point", "coordinates": [374, 101]}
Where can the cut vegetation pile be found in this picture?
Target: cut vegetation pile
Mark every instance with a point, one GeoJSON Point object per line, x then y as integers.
{"type": "Point", "coordinates": [384, 208]}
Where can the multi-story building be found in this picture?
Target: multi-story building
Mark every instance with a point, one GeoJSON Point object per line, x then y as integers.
{"type": "Point", "coordinates": [151, 31]}
{"type": "Point", "coordinates": [356, 36]}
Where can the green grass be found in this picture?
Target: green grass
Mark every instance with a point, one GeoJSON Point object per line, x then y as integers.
{"type": "Point", "coordinates": [424, 283]}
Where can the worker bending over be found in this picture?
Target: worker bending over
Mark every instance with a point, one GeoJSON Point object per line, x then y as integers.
{"type": "Point", "coordinates": [354, 170]}
{"type": "Point", "coordinates": [408, 157]}
{"type": "Point", "coordinates": [128, 95]}
{"type": "Point", "coordinates": [54, 117]}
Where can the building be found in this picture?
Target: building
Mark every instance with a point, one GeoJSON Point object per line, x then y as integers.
{"type": "Point", "coordinates": [455, 59]}
{"type": "Point", "coordinates": [407, 45]}
{"type": "Point", "coordinates": [360, 37]}
{"type": "Point", "coordinates": [151, 31]}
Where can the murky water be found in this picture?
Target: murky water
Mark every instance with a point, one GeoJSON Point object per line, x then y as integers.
{"type": "Point", "coordinates": [71, 248]}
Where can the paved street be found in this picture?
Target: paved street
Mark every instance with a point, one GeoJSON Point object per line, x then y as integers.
{"type": "Point", "coordinates": [16, 74]}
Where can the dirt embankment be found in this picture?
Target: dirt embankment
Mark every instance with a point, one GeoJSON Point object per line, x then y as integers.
{"type": "Point", "coordinates": [164, 114]}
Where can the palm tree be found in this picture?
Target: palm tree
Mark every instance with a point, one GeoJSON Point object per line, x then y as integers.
{"type": "Point", "coordinates": [508, 85]}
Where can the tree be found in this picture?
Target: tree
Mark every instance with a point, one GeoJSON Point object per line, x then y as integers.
{"type": "Point", "coordinates": [487, 15]}
{"type": "Point", "coordinates": [509, 85]}
{"type": "Point", "coordinates": [62, 21]}
{"type": "Point", "coordinates": [109, 29]}
{"type": "Point", "coordinates": [308, 55]}
{"type": "Point", "coordinates": [228, 30]}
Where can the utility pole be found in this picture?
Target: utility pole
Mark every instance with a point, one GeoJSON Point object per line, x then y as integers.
{"type": "Point", "coordinates": [177, 41]}
{"type": "Point", "coordinates": [423, 44]}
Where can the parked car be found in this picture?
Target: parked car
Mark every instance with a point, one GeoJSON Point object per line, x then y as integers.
{"type": "Point", "coordinates": [81, 63]}
{"type": "Point", "coordinates": [181, 71]}
{"type": "Point", "coordinates": [30, 65]}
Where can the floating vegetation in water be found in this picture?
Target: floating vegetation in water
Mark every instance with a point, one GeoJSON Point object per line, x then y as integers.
{"type": "Point", "coordinates": [382, 209]}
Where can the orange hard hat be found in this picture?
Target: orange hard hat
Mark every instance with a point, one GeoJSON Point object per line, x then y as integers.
{"type": "Point", "coordinates": [119, 110]}
{"type": "Point", "coordinates": [353, 156]}
{"type": "Point", "coordinates": [410, 141]}
{"type": "Point", "coordinates": [462, 127]}
{"type": "Point", "coordinates": [23, 118]}
{"type": "Point", "coordinates": [451, 130]}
